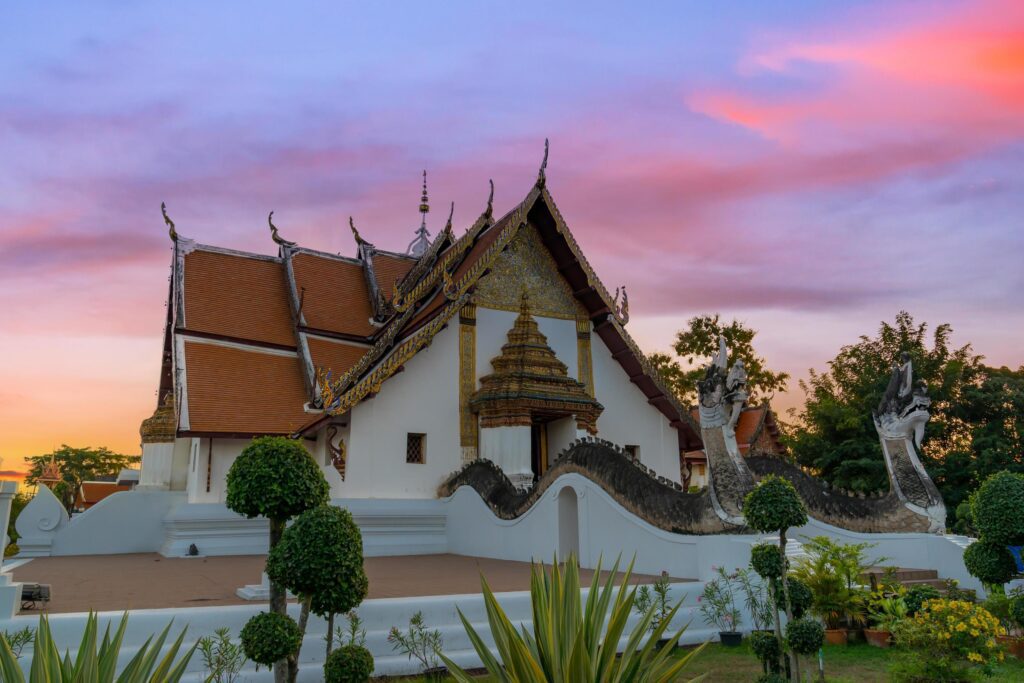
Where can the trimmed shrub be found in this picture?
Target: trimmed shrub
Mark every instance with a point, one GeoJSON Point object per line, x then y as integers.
{"type": "Point", "coordinates": [800, 596]}
{"type": "Point", "coordinates": [321, 556]}
{"type": "Point", "coordinates": [805, 636]}
{"type": "Point", "coordinates": [917, 596]}
{"type": "Point", "coordinates": [774, 505]}
{"type": "Point", "coordinates": [997, 509]}
{"type": "Point", "coordinates": [1017, 610]}
{"type": "Point", "coordinates": [768, 649]}
{"type": "Point", "coordinates": [349, 664]}
{"type": "Point", "coordinates": [270, 637]}
{"type": "Point", "coordinates": [766, 559]}
{"type": "Point", "coordinates": [989, 562]}
{"type": "Point", "coordinates": [275, 477]}
{"type": "Point", "coordinates": [772, 678]}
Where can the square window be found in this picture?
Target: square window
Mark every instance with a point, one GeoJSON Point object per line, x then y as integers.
{"type": "Point", "coordinates": [632, 451]}
{"type": "Point", "coordinates": [416, 448]}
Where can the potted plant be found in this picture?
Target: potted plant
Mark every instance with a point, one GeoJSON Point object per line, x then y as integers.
{"type": "Point", "coordinates": [885, 615]}
{"type": "Point", "coordinates": [832, 571]}
{"type": "Point", "coordinates": [655, 598]}
{"type": "Point", "coordinates": [718, 605]}
{"type": "Point", "coordinates": [757, 600]}
{"type": "Point", "coordinates": [421, 643]}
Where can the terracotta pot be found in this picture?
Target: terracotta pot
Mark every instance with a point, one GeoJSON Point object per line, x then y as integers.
{"type": "Point", "coordinates": [1013, 645]}
{"type": "Point", "coordinates": [877, 638]}
{"type": "Point", "coordinates": [730, 638]}
{"type": "Point", "coordinates": [835, 636]}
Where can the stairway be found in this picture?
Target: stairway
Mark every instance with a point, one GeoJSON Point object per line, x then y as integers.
{"type": "Point", "coordinates": [908, 577]}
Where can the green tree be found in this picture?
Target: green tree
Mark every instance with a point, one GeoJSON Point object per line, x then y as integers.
{"type": "Point", "coordinates": [698, 343]}
{"type": "Point", "coordinates": [276, 478]}
{"type": "Point", "coordinates": [835, 435]}
{"type": "Point", "coordinates": [77, 465]}
{"type": "Point", "coordinates": [18, 504]}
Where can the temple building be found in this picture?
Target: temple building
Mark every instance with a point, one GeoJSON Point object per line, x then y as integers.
{"type": "Point", "coordinates": [398, 368]}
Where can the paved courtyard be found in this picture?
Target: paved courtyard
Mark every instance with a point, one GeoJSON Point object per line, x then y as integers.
{"type": "Point", "coordinates": [119, 582]}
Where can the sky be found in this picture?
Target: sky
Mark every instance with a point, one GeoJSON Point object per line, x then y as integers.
{"type": "Point", "coordinates": [810, 168]}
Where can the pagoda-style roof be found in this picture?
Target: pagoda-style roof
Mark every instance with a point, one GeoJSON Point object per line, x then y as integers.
{"type": "Point", "coordinates": [530, 384]}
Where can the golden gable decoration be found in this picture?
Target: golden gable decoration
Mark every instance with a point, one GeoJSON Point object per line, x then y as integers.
{"type": "Point", "coordinates": [527, 263]}
{"type": "Point", "coordinates": [529, 383]}
{"type": "Point", "coordinates": [162, 426]}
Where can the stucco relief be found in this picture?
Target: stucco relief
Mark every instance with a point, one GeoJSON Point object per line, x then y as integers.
{"type": "Point", "coordinates": [527, 265]}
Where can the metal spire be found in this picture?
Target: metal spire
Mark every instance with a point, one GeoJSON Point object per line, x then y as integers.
{"type": "Point", "coordinates": [421, 242]}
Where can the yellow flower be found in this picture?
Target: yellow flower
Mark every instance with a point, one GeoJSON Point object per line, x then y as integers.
{"type": "Point", "coordinates": [975, 632]}
{"type": "Point", "coordinates": [975, 657]}
{"type": "Point", "coordinates": [961, 626]}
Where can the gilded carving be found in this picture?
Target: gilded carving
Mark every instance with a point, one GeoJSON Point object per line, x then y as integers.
{"type": "Point", "coordinates": [527, 263]}
{"type": "Point", "coordinates": [467, 382]}
{"type": "Point", "coordinates": [584, 355]}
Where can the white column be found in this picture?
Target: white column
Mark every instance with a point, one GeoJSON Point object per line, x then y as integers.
{"type": "Point", "coordinates": [509, 448]}
{"type": "Point", "coordinates": [157, 459]}
{"type": "Point", "coordinates": [10, 592]}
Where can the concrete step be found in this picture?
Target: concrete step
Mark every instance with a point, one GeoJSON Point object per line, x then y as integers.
{"type": "Point", "coordinates": [902, 574]}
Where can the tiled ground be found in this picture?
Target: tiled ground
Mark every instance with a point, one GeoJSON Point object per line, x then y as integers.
{"type": "Point", "coordinates": [118, 582]}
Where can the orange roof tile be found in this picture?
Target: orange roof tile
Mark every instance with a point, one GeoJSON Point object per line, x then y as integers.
{"type": "Point", "coordinates": [92, 492]}
{"type": "Point", "coordinates": [336, 297]}
{"type": "Point", "coordinates": [334, 356]}
{"type": "Point", "coordinates": [238, 391]}
{"type": "Point", "coordinates": [746, 426]}
{"type": "Point", "coordinates": [237, 296]}
{"type": "Point", "coordinates": [389, 270]}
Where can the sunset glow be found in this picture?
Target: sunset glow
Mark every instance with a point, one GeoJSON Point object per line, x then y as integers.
{"type": "Point", "coordinates": [810, 168]}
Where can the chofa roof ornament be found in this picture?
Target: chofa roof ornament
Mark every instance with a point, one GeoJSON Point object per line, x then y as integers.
{"type": "Point", "coordinates": [489, 211]}
{"type": "Point", "coordinates": [541, 176]}
{"type": "Point", "coordinates": [170, 224]}
{"type": "Point", "coordinates": [273, 233]}
{"type": "Point", "coordinates": [621, 308]}
{"type": "Point", "coordinates": [355, 233]}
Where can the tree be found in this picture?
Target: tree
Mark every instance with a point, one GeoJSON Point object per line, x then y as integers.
{"type": "Point", "coordinates": [18, 504]}
{"type": "Point", "coordinates": [276, 478]}
{"type": "Point", "coordinates": [698, 343]}
{"type": "Point", "coordinates": [774, 506]}
{"type": "Point", "coordinates": [835, 435]}
{"type": "Point", "coordinates": [320, 558]}
{"type": "Point", "coordinates": [77, 465]}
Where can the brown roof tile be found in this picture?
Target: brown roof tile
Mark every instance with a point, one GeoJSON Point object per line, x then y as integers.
{"type": "Point", "coordinates": [237, 296]}
{"type": "Point", "coordinates": [92, 492]}
{"type": "Point", "coordinates": [390, 269]}
{"type": "Point", "coordinates": [334, 356]}
{"type": "Point", "coordinates": [237, 391]}
{"type": "Point", "coordinates": [336, 297]}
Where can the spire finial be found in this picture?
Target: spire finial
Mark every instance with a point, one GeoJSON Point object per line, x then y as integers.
{"type": "Point", "coordinates": [541, 178]}
{"type": "Point", "coordinates": [489, 211]}
{"type": "Point", "coordinates": [424, 200]}
{"type": "Point", "coordinates": [524, 304]}
{"type": "Point", "coordinates": [170, 224]}
{"type": "Point", "coordinates": [355, 233]}
{"type": "Point", "coordinates": [273, 233]}
{"type": "Point", "coordinates": [451, 212]}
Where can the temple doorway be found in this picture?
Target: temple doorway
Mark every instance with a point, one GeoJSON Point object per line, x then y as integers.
{"type": "Point", "coordinates": [568, 524]}
{"type": "Point", "coordinates": [539, 448]}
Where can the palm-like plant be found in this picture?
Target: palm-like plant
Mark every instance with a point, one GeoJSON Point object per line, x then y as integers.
{"type": "Point", "coordinates": [96, 663]}
{"type": "Point", "coordinates": [576, 641]}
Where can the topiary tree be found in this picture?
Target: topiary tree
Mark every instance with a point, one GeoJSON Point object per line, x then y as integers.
{"type": "Point", "coordinates": [801, 597]}
{"type": "Point", "coordinates": [269, 637]}
{"type": "Point", "coordinates": [991, 563]}
{"type": "Point", "coordinates": [1017, 610]}
{"type": "Point", "coordinates": [768, 649]}
{"type": "Point", "coordinates": [320, 557]}
{"type": "Point", "coordinates": [997, 509]}
{"type": "Point", "coordinates": [766, 559]}
{"type": "Point", "coordinates": [774, 506]}
{"type": "Point", "coordinates": [276, 478]}
{"type": "Point", "coordinates": [805, 636]}
{"type": "Point", "coordinates": [348, 664]}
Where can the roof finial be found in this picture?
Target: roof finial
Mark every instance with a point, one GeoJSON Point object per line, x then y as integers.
{"type": "Point", "coordinates": [524, 304]}
{"type": "Point", "coordinates": [170, 224]}
{"type": "Point", "coordinates": [273, 233]}
{"type": "Point", "coordinates": [424, 200]}
{"type": "Point", "coordinates": [489, 211]}
{"type": "Point", "coordinates": [421, 242]}
{"type": "Point", "coordinates": [355, 233]}
{"type": "Point", "coordinates": [541, 178]}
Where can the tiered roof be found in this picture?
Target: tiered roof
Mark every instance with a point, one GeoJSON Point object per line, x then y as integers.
{"type": "Point", "coordinates": [255, 336]}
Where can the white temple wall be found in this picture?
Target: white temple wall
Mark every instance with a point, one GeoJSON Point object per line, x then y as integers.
{"type": "Point", "coordinates": [224, 453]}
{"type": "Point", "coordinates": [628, 419]}
{"type": "Point", "coordinates": [423, 399]}
{"type": "Point", "coordinates": [561, 433]}
{"type": "Point", "coordinates": [492, 332]}
{"type": "Point", "coordinates": [179, 467]}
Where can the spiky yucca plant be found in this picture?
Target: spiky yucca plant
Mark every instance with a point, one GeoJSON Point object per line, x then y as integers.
{"type": "Point", "coordinates": [576, 642]}
{"type": "Point", "coordinates": [96, 663]}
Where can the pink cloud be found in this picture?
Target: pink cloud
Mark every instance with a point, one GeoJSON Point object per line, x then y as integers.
{"type": "Point", "coordinates": [961, 74]}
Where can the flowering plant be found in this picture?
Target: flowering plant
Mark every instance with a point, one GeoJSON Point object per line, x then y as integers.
{"type": "Point", "coordinates": [956, 635]}
{"type": "Point", "coordinates": [718, 602]}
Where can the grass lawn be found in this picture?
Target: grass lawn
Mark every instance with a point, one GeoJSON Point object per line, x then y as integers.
{"type": "Point", "coordinates": [859, 663]}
